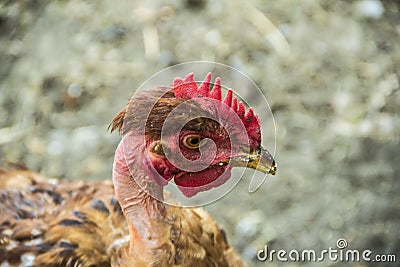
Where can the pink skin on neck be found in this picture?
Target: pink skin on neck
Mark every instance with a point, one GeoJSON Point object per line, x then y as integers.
{"type": "Point", "coordinates": [144, 213]}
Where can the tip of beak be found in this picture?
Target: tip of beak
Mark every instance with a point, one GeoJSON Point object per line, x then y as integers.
{"type": "Point", "coordinates": [265, 161]}
{"type": "Point", "coordinates": [260, 160]}
{"type": "Point", "coordinates": [273, 168]}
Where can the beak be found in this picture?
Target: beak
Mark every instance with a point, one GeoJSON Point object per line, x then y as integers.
{"type": "Point", "coordinates": [260, 160]}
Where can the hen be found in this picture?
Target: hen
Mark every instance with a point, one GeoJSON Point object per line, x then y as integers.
{"type": "Point", "coordinates": [47, 222]}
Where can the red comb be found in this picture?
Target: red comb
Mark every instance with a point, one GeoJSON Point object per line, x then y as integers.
{"type": "Point", "coordinates": [187, 88]}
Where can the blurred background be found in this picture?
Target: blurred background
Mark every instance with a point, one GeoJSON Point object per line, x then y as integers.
{"type": "Point", "coordinates": [329, 69]}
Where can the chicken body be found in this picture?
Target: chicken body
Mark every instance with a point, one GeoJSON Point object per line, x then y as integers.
{"type": "Point", "coordinates": [46, 223]}
{"type": "Point", "coordinates": [49, 223]}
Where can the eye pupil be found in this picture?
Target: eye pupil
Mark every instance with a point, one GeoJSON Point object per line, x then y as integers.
{"type": "Point", "coordinates": [194, 141]}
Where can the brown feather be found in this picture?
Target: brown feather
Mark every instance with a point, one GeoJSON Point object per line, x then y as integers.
{"type": "Point", "coordinates": [74, 228]}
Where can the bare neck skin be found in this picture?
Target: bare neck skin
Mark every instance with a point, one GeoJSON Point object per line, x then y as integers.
{"type": "Point", "coordinates": [145, 214]}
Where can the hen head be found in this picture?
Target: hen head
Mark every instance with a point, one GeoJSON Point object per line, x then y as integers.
{"type": "Point", "coordinates": [193, 136]}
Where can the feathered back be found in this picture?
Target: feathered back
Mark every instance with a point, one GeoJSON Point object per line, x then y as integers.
{"type": "Point", "coordinates": [55, 223]}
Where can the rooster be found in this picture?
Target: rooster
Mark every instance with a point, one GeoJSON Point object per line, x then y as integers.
{"type": "Point", "coordinates": [49, 222]}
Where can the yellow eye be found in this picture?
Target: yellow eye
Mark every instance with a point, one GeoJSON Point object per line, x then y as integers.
{"type": "Point", "coordinates": [192, 141]}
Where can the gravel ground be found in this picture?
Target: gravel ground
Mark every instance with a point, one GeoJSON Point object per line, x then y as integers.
{"type": "Point", "coordinates": [331, 75]}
